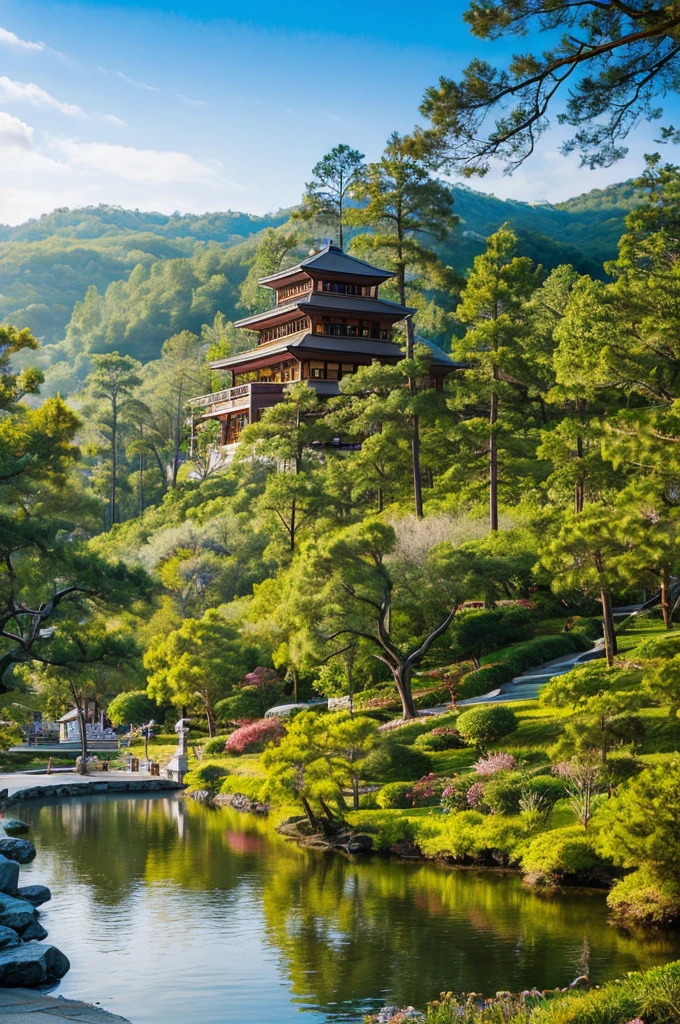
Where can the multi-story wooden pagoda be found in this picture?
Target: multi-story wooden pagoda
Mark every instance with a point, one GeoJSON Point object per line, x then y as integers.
{"type": "Point", "coordinates": [328, 320]}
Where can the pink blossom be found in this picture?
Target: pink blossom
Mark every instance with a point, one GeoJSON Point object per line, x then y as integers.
{"type": "Point", "coordinates": [493, 763]}
{"type": "Point", "coordinates": [475, 794]}
{"type": "Point", "coordinates": [255, 736]}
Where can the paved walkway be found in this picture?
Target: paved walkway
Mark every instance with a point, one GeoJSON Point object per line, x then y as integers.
{"type": "Point", "coordinates": [24, 1006]}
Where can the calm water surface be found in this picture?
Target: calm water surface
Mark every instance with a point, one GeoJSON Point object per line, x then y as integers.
{"type": "Point", "coordinates": [174, 914]}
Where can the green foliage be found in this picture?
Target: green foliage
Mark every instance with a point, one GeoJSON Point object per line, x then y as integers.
{"type": "Point", "coordinates": [133, 707]}
{"type": "Point", "coordinates": [394, 761]}
{"type": "Point", "coordinates": [215, 745]}
{"type": "Point", "coordinates": [394, 795]}
{"type": "Point", "coordinates": [486, 724]}
{"type": "Point", "coordinates": [250, 785]}
{"type": "Point", "coordinates": [438, 739]}
{"type": "Point", "coordinates": [387, 827]}
{"type": "Point", "coordinates": [206, 776]}
{"type": "Point", "coordinates": [640, 826]}
{"type": "Point", "coordinates": [644, 898]}
{"type": "Point", "coordinates": [553, 855]}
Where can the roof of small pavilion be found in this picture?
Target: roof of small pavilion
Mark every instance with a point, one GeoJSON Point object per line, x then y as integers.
{"type": "Point", "coordinates": [330, 260]}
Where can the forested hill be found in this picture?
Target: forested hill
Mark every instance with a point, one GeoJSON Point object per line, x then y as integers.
{"type": "Point", "coordinates": [104, 278]}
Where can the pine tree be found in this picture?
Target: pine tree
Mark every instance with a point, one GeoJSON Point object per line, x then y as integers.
{"type": "Point", "coordinates": [327, 194]}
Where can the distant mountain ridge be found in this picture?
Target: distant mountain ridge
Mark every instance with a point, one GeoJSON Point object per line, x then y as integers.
{"type": "Point", "coordinates": [98, 278]}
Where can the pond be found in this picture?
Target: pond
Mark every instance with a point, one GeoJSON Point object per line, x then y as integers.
{"type": "Point", "coordinates": [172, 913]}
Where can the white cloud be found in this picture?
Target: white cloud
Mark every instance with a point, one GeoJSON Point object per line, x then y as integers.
{"type": "Point", "coordinates": [8, 38]}
{"type": "Point", "coordinates": [29, 92]}
{"type": "Point", "coordinates": [191, 103]}
{"type": "Point", "coordinates": [113, 119]}
{"type": "Point", "coordinates": [140, 85]}
{"type": "Point", "coordinates": [14, 133]}
{"type": "Point", "coordinates": [142, 166]}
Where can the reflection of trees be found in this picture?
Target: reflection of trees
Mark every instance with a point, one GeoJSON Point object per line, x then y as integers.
{"type": "Point", "coordinates": [346, 933]}
{"type": "Point", "coordinates": [409, 931]}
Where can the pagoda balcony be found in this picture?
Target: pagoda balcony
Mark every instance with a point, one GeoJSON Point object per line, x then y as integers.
{"type": "Point", "coordinates": [244, 397]}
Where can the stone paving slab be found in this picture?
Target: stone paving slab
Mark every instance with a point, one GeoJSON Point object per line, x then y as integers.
{"type": "Point", "coordinates": [24, 1006]}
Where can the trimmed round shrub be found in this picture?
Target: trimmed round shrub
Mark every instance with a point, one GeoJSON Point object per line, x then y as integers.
{"type": "Point", "coordinates": [255, 737]}
{"type": "Point", "coordinates": [486, 724]}
{"type": "Point", "coordinates": [394, 794]}
{"type": "Point", "coordinates": [559, 853]}
{"type": "Point", "coordinates": [439, 739]}
{"type": "Point", "coordinates": [216, 745]}
{"type": "Point", "coordinates": [643, 898]}
{"type": "Point", "coordinates": [395, 762]}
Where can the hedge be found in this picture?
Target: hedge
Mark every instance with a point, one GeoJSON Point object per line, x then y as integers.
{"type": "Point", "coordinates": [521, 658]}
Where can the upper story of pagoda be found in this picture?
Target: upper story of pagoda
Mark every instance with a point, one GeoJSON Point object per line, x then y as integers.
{"type": "Point", "coordinates": [327, 304]}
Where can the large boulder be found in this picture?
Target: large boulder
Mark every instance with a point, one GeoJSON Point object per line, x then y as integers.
{"type": "Point", "coordinates": [9, 876]}
{"type": "Point", "coordinates": [34, 931]}
{"type": "Point", "coordinates": [8, 937]}
{"type": "Point", "coordinates": [15, 827]}
{"type": "Point", "coordinates": [17, 914]}
{"type": "Point", "coordinates": [20, 850]}
{"type": "Point", "coordinates": [35, 894]}
{"type": "Point", "coordinates": [31, 965]}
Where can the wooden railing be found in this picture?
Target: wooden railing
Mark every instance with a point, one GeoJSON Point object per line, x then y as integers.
{"type": "Point", "coordinates": [224, 398]}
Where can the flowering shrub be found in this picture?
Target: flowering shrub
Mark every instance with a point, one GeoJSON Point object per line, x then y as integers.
{"type": "Point", "coordinates": [475, 794]}
{"type": "Point", "coordinates": [426, 791]}
{"type": "Point", "coordinates": [493, 763]}
{"type": "Point", "coordinates": [255, 736]}
{"type": "Point", "coordinates": [454, 795]}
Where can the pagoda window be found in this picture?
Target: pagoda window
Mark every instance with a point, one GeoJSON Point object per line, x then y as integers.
{"type": "Point", "coordinates": [290, 290]}
{"type": "Point", "coordinates": [283, 330]}
{"type": "Point", "coordinates": [345, 288]}
{"type": "Point", "coordinates": [317, 370]}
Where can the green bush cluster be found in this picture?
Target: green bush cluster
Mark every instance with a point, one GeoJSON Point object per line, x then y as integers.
{"type": "Point", "coordinates": [249, 785]}
{"type": "Point", "coordinates": [394, 761]}
{"type": "Point", "coordinates": [486, 724]}
{"type": "Point", "coordinates": [644, 898]}
{"type": "Point", "coordinates": [215, 745]}
{"type": "Point", "coordinates": [553, 855]}
{"type": "Point", "coordinates": [387, 827]}
{"type": "Point", "coordinates": [205, 776]}
{"type": "Point", "coordinates": [394, 795]}
{"type": "Point", "coordinates": [521, 658]}
{"type": "Point", "coordinates": [439, 739]}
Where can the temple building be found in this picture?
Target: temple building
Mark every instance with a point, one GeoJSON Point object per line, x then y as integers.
{"type": "Point", "coordinates": [328, 321]}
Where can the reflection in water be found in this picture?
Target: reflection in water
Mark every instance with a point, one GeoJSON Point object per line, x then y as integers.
{"type": "Point", "coordinates": [174, 913]}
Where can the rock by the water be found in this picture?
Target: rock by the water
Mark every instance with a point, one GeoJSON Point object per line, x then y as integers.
{"type": "Point", "coordinates": [8, 937]}
{"type": "Point", "coordinates": [15, 827]}
{"type": "Point", "coordinates": [9, 876]}
{"type": "Point", "coordinates": [20, 850]}
{"type": "Point", "coordinates": [31, 965]}
{"type": "Point", "coordinates": [35, 894]}
{"type": "Point", "coordinates": [17, 914]}
{"type": "Point", "coordinates": [360, 844]}
{"type": "Point", "coordinates": [34, 931]}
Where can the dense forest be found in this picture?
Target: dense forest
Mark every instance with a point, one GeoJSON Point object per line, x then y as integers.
{"type": "Point", "coordinates": [460, 537]}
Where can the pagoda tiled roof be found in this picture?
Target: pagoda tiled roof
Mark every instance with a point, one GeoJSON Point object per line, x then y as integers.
{"type": "Point", "coordinates": [305, 343]}
{"type": "Point", "coordinates": [330, 302]}
{"type": "Point", "coordinates": [331, 260]}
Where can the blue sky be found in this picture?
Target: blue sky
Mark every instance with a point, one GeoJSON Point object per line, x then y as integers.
{"type": "Point", "coordinates": [198, 105]}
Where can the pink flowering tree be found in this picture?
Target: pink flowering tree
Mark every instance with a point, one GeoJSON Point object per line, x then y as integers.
{"type": "Point", "coordinates": [255, 736]}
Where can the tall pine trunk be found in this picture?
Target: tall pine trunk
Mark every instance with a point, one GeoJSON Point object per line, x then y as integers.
{"type": "Point", "coordinates": [114, 459]}
{"type": "Point", "coordinates": [493, 456]}
{"type": "Point", "coordinates": [402, 679]}
{"type": "Point", "coordinates": [665, 602]}
{"type": "Point", "coordinates": [608, 627]}
{"type": "Point", "coordinates": [415, 436]}
{"type": "Point", "coordinates": [580, 485]}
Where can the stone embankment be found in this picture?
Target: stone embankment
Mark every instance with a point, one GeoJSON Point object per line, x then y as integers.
{"type": "Point", "coordinates": [44, 787]}
{"type": "Point", "coordinates": [25, 961]}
